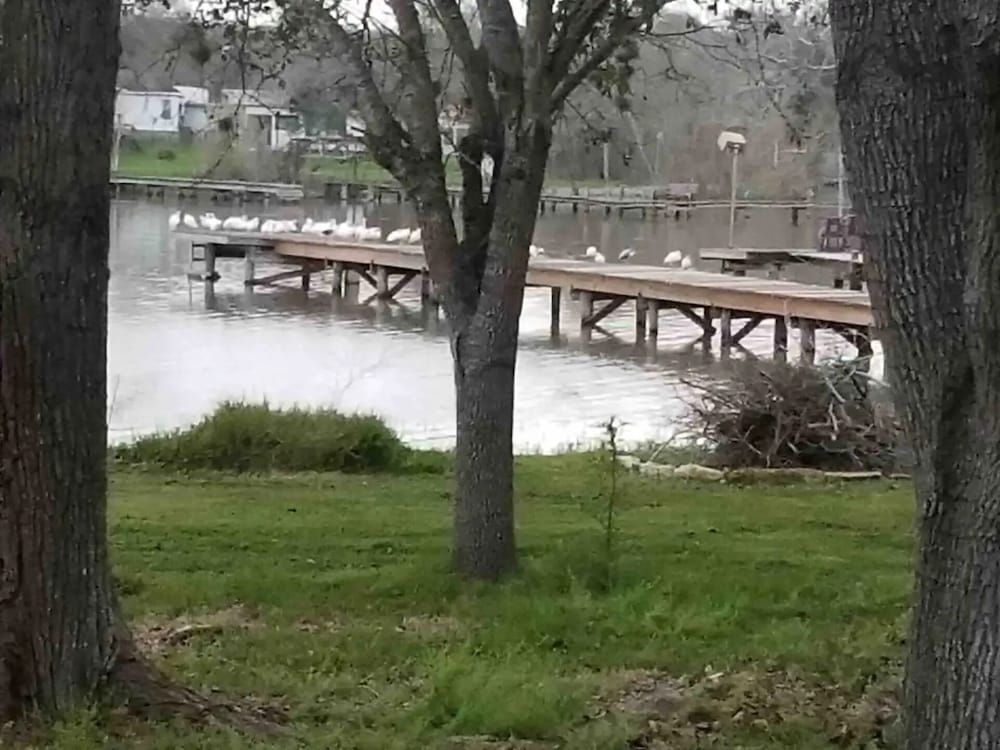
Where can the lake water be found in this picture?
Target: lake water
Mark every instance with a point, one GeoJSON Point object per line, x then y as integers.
{"type": "Point", "coordinates": [175, 352]}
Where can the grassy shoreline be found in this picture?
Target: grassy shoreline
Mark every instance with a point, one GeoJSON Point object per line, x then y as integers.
{"type": "Point", "coordinates": [754, 617]}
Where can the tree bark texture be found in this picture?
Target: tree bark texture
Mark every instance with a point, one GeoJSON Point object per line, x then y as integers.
{"type": "Point", "coordinates": [57, 610]}
{"type": "Point", "coordinates": [919, 97]}
{"type": "Point", "coordinates": [484, 347]}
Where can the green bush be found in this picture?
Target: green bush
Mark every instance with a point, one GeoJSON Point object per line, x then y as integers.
{"type": "Point", "coordinates": [257, 438]}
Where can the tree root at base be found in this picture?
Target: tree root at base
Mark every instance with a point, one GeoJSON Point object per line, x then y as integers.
{"type": "Point", "coordinates": [148, 693]}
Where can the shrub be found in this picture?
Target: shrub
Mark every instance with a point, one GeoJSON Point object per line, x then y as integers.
{"type": "Point", "coordinates": [770, 414]}
{"type": "Point", "coordinates": [256, 438]}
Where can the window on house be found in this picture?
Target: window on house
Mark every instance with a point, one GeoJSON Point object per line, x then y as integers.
{"type": "Point", "coordinates": [166, 109]}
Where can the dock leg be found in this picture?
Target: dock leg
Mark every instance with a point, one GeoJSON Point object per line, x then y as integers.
{"type": "Point", "coordinates": [351, 286]}
{"type": "Point", "coordinates": [725, 332]}
{"type": "Point", "coordinates": [381, 282]}
{"type": "Point", "coordinates": [210, 275]}
{"type": "Point", "coordinates": [855, 280]}
{"type": "Point", "coordinates": [586, 310]}
{"type": "Point", "coordinates": [780, 340]}
{"type": "Point", "coordinates": [653, 319]}
{"type": "Point", "coordinates": [306, 279]}
{"type": "Point", "coordinates": [425, 288]}
{"type": "Point", "coordinates": [640, 319]}
{"type": "Point", "coordinates": [248, 267]}
{"type": "Point", "coordinates": [706, 340]}
{"type": "Point", "coordinates": [838, 282]}
{"type": "Point", "coordinates": [337, 283]}
{"type": "Point", "coordinates": [807, 337]}
{"type": "Point", "coordinates": [555, 304]}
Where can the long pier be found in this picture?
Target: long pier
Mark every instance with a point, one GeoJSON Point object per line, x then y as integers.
{"type": "Point", "coordinates": [730, 306]}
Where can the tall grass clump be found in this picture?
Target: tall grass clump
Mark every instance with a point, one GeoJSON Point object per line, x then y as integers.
{"type": "Point", "coordinates": [258, 438]}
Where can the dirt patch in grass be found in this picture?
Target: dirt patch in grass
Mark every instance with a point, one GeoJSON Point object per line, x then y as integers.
{"type": "Point", "coordinates": [492, 743]}
{"type": "Point", "coordinates": [155, 638]}
{"type": "Point", "coordinates": [431, 627]}
{"type": "Point", "coordinates": [699, 711]}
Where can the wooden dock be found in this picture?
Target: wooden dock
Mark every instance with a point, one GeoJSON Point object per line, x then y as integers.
{"type": "Point", "coordinates": [239, 191]}
{"type": "Point", "coordinates": [715, 303]}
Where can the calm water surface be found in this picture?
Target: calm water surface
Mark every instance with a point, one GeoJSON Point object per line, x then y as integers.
{"type": "Point", "coordinates": [175, 351]}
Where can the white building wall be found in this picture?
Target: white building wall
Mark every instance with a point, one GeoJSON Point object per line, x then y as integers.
{"type": "Point", "coordinates": [149, 111]}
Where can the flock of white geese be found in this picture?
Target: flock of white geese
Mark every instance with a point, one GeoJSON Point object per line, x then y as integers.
{"type": "Point", "coordinates": [350, 231]}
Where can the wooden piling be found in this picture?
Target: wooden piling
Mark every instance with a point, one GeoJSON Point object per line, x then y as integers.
{"type": "Point", "coordinates": [725, 332]}
{"type": "Point", "coordinates": [586, 311]}
{"type": "Point", "coordinates": [337, 282]}
{"type": "Point", "coordinates": [381, 282]}
{"type": "Point", "coordinates": [653, 319]}
{"type": "Point", "coordinates": [807, 338]}
{"type": "Point", "coordinates": [640, 319]}
{"type": "Point", "coordinates": [306, 278]}
{"type": "Point", "coordinates": [248, 266]}
{"type": "Point", "coordinates": [210, 275]}
{"type": "Point", "coordinates": [555, 303]}
{"type": "Point", "coordinates": [780, 340]}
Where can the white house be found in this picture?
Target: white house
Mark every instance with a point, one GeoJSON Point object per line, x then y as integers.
{"type": "Point", "coordinates": [149, 111]}
{"type": "Point", "coordinates": [196, 116]}
{"type": "Point", "coordinates": [262, 113]}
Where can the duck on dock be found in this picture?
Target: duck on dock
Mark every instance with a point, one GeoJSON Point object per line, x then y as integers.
{"type": "Point", "coordinates": [414, 237]}
{"type": "Point", "coordinates": [598, 258]}
{"type": "Point", "coordinates": [591, 252]}
{"type": "Point", "coordinates": [625, 254]}
{"type": "Point", "coordinates": [687, 263]}
{"type": "Point", "coordinates": [399, 235]}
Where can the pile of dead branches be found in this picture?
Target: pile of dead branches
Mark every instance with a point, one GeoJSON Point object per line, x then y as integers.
{"type": "Point", "coordinates": [769, 414]}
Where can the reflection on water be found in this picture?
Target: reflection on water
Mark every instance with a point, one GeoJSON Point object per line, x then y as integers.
{"type": "Point", "coordinates": [175, 351]}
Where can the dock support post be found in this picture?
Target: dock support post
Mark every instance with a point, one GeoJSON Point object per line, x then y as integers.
{"type": "Point", "coordinates": [586, 311]}
{"type": "Point", "coordinates": [640, 319]}
{"type": "Point", "coordinates": [855, 278]}
{"type": "Point", "coordinates": [795, 216]}
{"type": "Point", "coordinates": [425, 287]}
{"type": "Point", "coordinates": [725, 332]}
{"type": "Point", "coordinates": [706, 340]}
{"type": "Point", "coordinates": [555, 303]}
{"type": "Point", "coordinates": [653, 319]}
{"type": "Point", "coordinates": [306, 279]}
{"type": "Point", "coordinates": [381, 282]}
{"type": "Point", "coordinates": [352, 285]}
{"type": "Point", "coordinates": [780, 340]}
{"type": "Point", "coordinates": [248, 267]}
{"type": "Point", "coordinates": [210, 275]}
{"type": "Point", "coordinates": [807, 337]}
{"type": "Point", "coordinates": [337, 283]}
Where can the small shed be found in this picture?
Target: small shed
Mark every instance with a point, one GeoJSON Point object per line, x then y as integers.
{"type": "Point", "coordinates": [149, 111]}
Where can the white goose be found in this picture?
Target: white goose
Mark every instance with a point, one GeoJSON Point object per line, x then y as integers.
{"type": "Point", "coordinates": [414, 237]}
{"type": "Point", "coordinates": [210, 222]}
{"type": "Point", "coordinates": [673, 258]}
{"type": "Point", "coordinates": [175, 220]}
{"type": "Point", "coordinates": [687, 263]}
{"type": "Point", "coordinates": [189, 221]}
{"type": "Point", "coordinates": [591, 252]}
{"type": "Point", "coordinates": [626, 254]}
{"type": "Point", "coordinates": [599, 258]}
{"type": "Point", "coordinates": [398, 235]}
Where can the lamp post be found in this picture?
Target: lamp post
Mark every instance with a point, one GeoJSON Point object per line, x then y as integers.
{"type": "Point", "coordinates": [734, 142]}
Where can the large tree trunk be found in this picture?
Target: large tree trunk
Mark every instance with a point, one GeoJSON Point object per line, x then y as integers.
{"type": "Point", "coordinates": [59, 60]}
{"type": "Point", "coordinates": [919, 99]}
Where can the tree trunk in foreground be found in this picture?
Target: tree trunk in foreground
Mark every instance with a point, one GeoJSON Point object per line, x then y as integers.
{"type": "Point", "coordinates": [59, 61]}
{"type": "Point", "coordinates": [919, 96]}
{"type": "Point", "coordinates": [484, 348]}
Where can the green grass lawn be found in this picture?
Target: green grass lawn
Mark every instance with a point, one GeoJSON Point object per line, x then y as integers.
{"type": "Point", "coordinates": [761, 617]}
